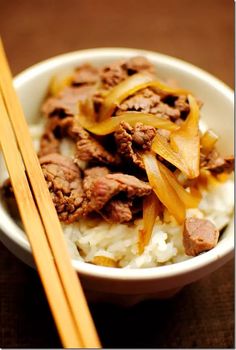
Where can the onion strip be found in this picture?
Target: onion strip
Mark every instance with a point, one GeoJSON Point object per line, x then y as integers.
{"type": "Point", "coordinates": [183, 151]}
{"type": "Point", "coordinates": [208, 141]}
{"type": "Point", "coordinates": [110, 125]}
{"type": "Point", "coordinates": [162, 187]}
{"type": "Point", "coordinates": [188, 199]}
{"type": "Point", "coordinates": [151, 209]}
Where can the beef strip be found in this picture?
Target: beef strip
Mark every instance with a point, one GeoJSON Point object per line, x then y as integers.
{"type": "Point", "coordinates": [64, 182]}
{"type": "Point", "coordinates": [101, 187]}
{"type": "Point", "coordinates": [92, 174]}
{"type": "Point", "coordinates": [118, 71]}
{"type": "Point", "coordinates": [48, 143]}
{"type": "Point", "coordinates": [217, 164]}
{"type": "Point", "coordinates": [143, 101]}
{"type": "Point", "coordinates": [66, 102]}
{"type": "Point", "coordinates": [50, 140]}
{"type": "Point", "coordinates": [56, 129]}
{"type": "Point", "coordinates": [115, 210]}
{"type": "Point", "coordinates": [89, 149]}
{"type": "Point", "coordinates": [85, 74]}
{"type": "Point", "coordinates": [139, 64]}
{"type": "Point", "coordinates": [181, 103]}
{"type": "Point", "coordinates": [199, 235]}
{"type": "Point", "coordinates": [113, 74]}
{"type": "Point", "coordinates": [148, 101]}
{"type": "Point", "coordinates": [130, 140]}
{"type": "Point", "coordinates": [118, 211]}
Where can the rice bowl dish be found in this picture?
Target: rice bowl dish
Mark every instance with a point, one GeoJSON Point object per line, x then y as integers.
{"type": "Point", "coordinates": [119, 246]}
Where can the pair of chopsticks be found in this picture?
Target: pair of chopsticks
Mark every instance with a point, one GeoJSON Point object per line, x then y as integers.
{"type": "Point", "coordinates": [61, 284]}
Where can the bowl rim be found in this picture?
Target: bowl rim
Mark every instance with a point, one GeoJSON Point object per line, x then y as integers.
{"type": "Point", "coordinates": [222, 251]}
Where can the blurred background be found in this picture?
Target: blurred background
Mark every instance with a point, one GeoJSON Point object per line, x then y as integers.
{"type": "Point", "coordinates": [201, 32]}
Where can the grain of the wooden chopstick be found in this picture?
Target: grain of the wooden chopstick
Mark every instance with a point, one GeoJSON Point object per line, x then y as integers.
{"type": "Point", "coordinates": [73, 289]}
{"type": "Point", "coordinates": [35, 232]}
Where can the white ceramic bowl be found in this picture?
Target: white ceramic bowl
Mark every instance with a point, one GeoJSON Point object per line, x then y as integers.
{"type": "Point", "coordinates": [128, 286]}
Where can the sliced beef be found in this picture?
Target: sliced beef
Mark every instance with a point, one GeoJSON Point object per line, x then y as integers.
{"type": "Point", "coordinates": [139, 64]}
{"type": "Point", "coordinates": [143, 101]}
{"type": "Point", "coordinates": [181, 103]}
{"type": "Point", "coordinates": [92, 174]}
{"type": "Point", "coordinates": [64, 181]}
{"type": "Point", "coordinates": [85, 74]}
{"type": "Point", "coordinates": [130, 184]}
{"type": "Point", "coordinates": [89, 149]}
{"type": "Point", "coordinates": [217, 164]}
{"type": "Point", "coordinates": [118, 71]}
{"type": "Point", "coordinates": [163, 110]}
{"type": "Point", "coordinates": [56, 128]}
{"type": "Point", "coordinates": [48, 143]}
{"type": "Point", "coordinates": [199, 235]}
{"type": "Point", "coordinates": [66, 102]}
{"type": "Point", "coordinates": [113, 74]}
{"type": "Point", "coordinates": [142, 136]}
{"type": "Point", "coordinates": [123, 137]}
{"type": "Point", "coordinates": [118, 211]}
{"type": "Point", "coordinates": [158, 103]}
{"type": "Point", "coordinates": [100, 188]}
{"type": "Point", "coordinates": [130, 140]}
{"type": "Point", "coordinates": [148, 101]}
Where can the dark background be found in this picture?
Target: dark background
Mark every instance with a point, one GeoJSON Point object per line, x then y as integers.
{"type": "Point", "coordinates": [201, 32]}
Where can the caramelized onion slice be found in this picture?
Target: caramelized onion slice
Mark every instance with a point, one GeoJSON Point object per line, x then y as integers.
{"type": "Point", "coordinates": [57, 85]}
{"type": "Point", "coordinates": [110, 125]}
{"type": "Point", "coordinates": [186, 140]}
{"type": "Point", "coordinates": [104, 261]}
{"type": "Point", "coordinates": [189, 200]}
{"type": "Point", "coordinates": [208, 141]}
{"type": "Point", "coordinates": [163, 87]}
{"type": "Point", "coordinates": [183, 151]}
{"type": "Point", "coordinates": [151, 209]}
{"type": "Point", "coordinates": [162, 187]}
{"type": "Point", "coordinates": [163, 148]}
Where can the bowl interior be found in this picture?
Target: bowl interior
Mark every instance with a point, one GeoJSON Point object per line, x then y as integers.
{"type": "Point", "coordinates": [217, 113]}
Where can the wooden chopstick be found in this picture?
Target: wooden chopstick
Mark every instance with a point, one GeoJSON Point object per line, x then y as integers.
{"type": "Point", "coordinates": [36, 234]}
{"type": "Point", "coordinates": [72, 288]}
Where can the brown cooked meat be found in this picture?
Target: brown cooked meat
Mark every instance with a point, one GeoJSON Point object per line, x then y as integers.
{"type": "Point", "coordinates": [118, 211]}
{"type": "Point", "coordinates": [64, 182]}
{"type": "Point", "coordinates": [85, 75]}
{"type": "Point", "coordinates": [148, 101]}
{"type": "Point", "coordinates": [100, 187]}
{"type": "Point", "coordinates": [199, 235]}
{"type": "Point", "coordinates": [55, 129]}
{"type": "Point", "coordinates": [216, 164]}
{"type": "Point", "coordinates": [130, 140]}
{"type": "Point", "coordinates": [118, 71]}
{"type": "Point", "coordinates": [66, 102]}
{"type": "Point", "coordinates": [88, 149]}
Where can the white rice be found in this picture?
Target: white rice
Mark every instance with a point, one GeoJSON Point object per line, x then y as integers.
{"type": "Point", "coordinates": [87, 239]}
